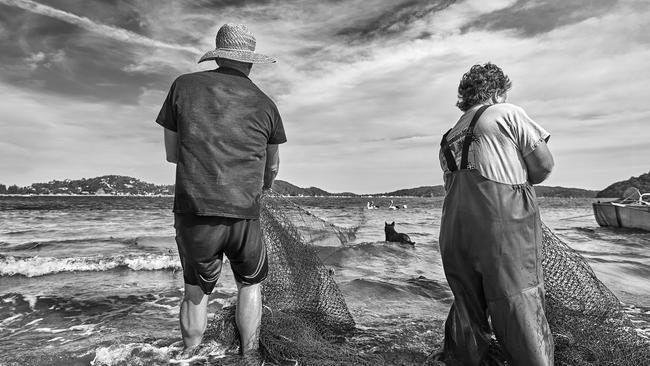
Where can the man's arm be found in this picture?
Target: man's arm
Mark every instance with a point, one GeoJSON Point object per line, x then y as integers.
{"type": "Point", "coordinates": [272, 165]}
{"type": "Point", "coordinates": [171, 146]}
{"type": "Point", "coordinates": [539, 163]}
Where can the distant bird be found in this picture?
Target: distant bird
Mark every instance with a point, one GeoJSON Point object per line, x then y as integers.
{"type": "Point", "coordinates": [392, 206]}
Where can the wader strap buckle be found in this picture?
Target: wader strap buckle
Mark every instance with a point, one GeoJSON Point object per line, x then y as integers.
{"type": "Point", "coordinates": [469, 136]}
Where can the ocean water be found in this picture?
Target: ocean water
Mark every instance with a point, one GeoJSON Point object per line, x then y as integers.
{"type": "Point", "coordinates": [97, 280]}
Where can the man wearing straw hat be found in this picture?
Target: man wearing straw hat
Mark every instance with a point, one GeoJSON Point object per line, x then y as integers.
{"type": "Point", "coordinates": [222, 132]}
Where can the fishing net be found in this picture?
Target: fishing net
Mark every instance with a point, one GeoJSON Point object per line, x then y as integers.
{"type": "Point", "coordinates": [305, 318]}
{"type": "Point", "coordinates": [587, 320]}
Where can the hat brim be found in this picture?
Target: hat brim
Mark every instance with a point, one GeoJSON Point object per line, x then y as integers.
{"type": "Point", "coordinates": [242, 56]}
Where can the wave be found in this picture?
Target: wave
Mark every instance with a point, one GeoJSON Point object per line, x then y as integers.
{"type": "Point", "coordinates": [160, 243]}
{"type": "Point", "coordinates": [133, 353]}
{"type": "Point", "coordinates": [377, 249]}
{"type": "Point", "coordinates": [614, 235]}
{"type": "Point", "coordinates": [73, 304]}
{"type": "Point", "coordinates": [410, 289]}
{"type": "Point", "coordinates": [40, 266]}
{"type": "Point", "coordinates": [28, 231]}
{"type": "Point", "coordinates": [165, 352]}
{"type": "Point", "coordinates": [59, 242]}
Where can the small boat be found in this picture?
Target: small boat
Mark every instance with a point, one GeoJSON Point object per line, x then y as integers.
{"type": "Point", "coordinates": [632, 211]}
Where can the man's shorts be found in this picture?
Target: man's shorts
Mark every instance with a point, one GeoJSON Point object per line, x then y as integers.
{"type": "Point", "coordinates": [202, 241]}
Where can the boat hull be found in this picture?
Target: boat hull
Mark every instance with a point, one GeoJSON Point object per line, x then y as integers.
{"type": "Point", "coordinates": [627, 216]}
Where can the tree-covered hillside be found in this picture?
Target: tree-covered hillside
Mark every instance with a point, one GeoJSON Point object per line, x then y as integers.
{"type": "Point", "coordinates": [288, 189]}
{"type": "Point", "coordinates": [123, 185]}
{"type": "Point", "coordinates": [424, 191]}
{"type": "Point", "coordinates": [642, 183]}
{"type": "Point", "coordinates": [107, 184]}
{"type": "Point", "coordinates": [541, 191]}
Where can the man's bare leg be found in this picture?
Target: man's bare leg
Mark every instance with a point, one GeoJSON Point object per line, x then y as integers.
{"type": "Point", "coordinates": [193, 315]}
{"type": "Point", "coordinates": [249, 315]}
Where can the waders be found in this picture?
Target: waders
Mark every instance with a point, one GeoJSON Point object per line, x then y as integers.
{"type": "Point", "coordinates": [490, 244]}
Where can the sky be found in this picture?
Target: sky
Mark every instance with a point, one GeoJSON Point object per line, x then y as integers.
{"type": "Point", "coordinates": [366, 88]}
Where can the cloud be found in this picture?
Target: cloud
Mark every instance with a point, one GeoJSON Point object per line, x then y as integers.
{"type": "Point", "coordinates": [365, 87]}
{"type": "Point", "coordinates": [394, 20]}
{"type": "Point", "coordinates": [40, 59]}
{"type": "Point", "coordinates": [93, 26]}
{"type": "Point", "coordinates": [52, 50]}
{"type": "Point", "coordinates": [51, 136]}
{"type": "Point", "coordinates": [34, 59]}
{"type": "Point", "coordinates": [409, 89]}
{"type": "Point", "coordinates": [530, 18]}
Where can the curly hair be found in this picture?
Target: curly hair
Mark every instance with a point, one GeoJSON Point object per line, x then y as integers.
{"type": "Point", "coordinates": [480, 84]}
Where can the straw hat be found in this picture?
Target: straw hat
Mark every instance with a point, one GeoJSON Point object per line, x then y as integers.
{"type": "Point", "coordinates": [236, 42]}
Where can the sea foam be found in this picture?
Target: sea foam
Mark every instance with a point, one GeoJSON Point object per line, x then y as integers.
{"type": "Point", "coordinates": [40, 266]}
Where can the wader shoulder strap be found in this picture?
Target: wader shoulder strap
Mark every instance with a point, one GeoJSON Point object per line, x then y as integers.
{"type": "Point", "coordinates": [451, 161]}
{"type": "Point", "coordinates": [469, 136]}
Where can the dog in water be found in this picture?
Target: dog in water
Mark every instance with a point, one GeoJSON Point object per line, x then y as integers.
{"type": "Point", "coordinates": [394, 236]}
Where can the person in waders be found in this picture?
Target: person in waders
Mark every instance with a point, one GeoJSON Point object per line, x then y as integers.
{"type": "Point", "coordinates": [491, 235]}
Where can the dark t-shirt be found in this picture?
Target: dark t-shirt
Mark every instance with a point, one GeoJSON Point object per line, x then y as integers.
{"type": "Point", "coordinates": [224, 123]}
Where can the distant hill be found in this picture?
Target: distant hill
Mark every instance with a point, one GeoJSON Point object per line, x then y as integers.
{"type": "Point", "coordinates": [541, 191]}
{"type": "Point", "coordinates": [642, 183]}
{"type": "Point", "coordinates": [424, 191]}
{"type": "Point", "coordinates": [123, 185]}
{"type": "Point", "coordinates": [107, 184]}
{"type": "Point", "coordinates": [288, 189]}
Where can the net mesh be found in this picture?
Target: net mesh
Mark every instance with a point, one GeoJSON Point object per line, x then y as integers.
{"type": "Point", "coordinates": [587, 320]}
{"type": "Point", "coordinates": [306, 319]}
